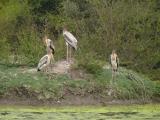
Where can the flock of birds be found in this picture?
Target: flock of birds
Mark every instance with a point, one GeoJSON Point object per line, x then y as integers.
{"type": "Point", "coordinates": [71, 42]}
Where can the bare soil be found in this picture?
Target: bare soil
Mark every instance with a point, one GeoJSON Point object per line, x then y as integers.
{"type": "Point", "coordinates": [70, 100]}
{"type": "Point", "coordinates": [67, 100]}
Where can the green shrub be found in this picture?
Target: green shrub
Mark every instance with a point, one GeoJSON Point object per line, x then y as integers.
{"type": "Point", "coordinates": [157, 89]}
{"type": "Point", "coordinates": [4, 50]}
{"type": "Point", "coordinates": [89, 63]}
{"type": "Point", "coordinates": [130, 85]}
{"type": "Point", "coordinates": [31, 47]}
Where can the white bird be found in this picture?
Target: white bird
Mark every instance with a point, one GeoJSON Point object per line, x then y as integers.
{"type": "Point", "coordinates": [71, 42]}
{"type": "Point", "coordinates": [49, 44]}
{"type": "Point", "coordinates": [114, 61]}
{"type": "Point", "coordinates": [45, 61]}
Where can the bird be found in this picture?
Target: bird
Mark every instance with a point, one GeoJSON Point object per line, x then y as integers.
{"type": "Point", "coordinates": [71, 42]}
{"type": "Point", "coordinates": [49, 45]}
{"type": "Point", "coordinates": [114, 61]}
{"type": "Point", "coordinates": [45, 61]}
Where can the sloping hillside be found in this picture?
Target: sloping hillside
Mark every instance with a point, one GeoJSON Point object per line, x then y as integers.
{"type": "Point", "coordinates": [23, 85]}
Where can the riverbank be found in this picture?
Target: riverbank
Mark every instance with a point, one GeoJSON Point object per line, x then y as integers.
{"type": "Point", "coordinates": [24, 86]}
{"type": "Point", "coordinates": [97, 108]}
{"type": "Point", "coordinates": [73, 101]}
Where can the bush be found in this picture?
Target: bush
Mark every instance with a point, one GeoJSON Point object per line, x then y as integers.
{"type": "Point", "coordinates": [93, 66]}
{"type": "Point", "coordinates": [157, 89]}
{"type": "Point", "coordinates": [31, 47]}
{"type": "Point", "coordinates": [89, 63]}
{"type": "Point", "coordinates": [5, 50]}
{"type": "Point", "coordinates": [130, 85]}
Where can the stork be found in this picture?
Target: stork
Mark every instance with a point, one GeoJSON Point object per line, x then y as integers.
{"type": "Point", "coordinates": [114, 61]}
{"type": "Point", "coordinates": [45, 60]}
{"type": "Point", "coordinates": [49, 45]}
{"type": "Point", "coordinates": [71, 42]}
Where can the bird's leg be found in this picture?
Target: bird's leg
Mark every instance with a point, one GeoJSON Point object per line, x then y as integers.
{"type": "Point", "coordinates": [70, 54]}
{"type": "Point", "coordinates": [52, 59]}
{"type": "Point", "coordinates": [67, 53]}
{"type": "Point", "coordinates": [113, 76]}
{"type": "Point", "coordinates": [45, 69]}
{"type": "Point", "coordinates": [49, 66]}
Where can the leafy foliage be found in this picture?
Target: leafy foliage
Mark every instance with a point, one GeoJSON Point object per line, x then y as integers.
{"type": "Point", "coordinates": [130, 27]}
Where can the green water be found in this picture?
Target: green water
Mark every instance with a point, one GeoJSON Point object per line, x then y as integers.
{"type": "Point", "coordinates": [132, 112]}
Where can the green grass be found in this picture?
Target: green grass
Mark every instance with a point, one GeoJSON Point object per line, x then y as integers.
{"type": "Point", "coordinates": [132, 112]}
{"type": "Point", "coordinates": [127, 84]}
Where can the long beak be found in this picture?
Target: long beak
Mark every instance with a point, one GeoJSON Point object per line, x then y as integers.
{"type": "Point", "coordinates": [75, 47]}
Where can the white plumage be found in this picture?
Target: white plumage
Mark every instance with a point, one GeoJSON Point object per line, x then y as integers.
{"type": "Point", "coordinates": [44, 62]}
{"type": "Point", "coordinates": [49, 44]}
{"type": "Point", "coordinates": [46, 59]}
{"type": "Point", "coordinates": [70, 39]}
{"type": "Point", "coordinates": [114, 61]}
{"type": "Point", "coordinates": [71, 42]}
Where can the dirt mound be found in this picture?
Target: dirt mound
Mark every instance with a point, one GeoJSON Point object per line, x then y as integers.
{"type": "Point", "coordinates": [60, 67]}
{"type": "Point", "coordinates": [64, 67]}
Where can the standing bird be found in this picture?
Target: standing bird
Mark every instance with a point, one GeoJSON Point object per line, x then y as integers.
{"type": "Point", "coordinates": [49, 45]}
{"type": "Point", "coordinates": [45, 61]}
{"type": "Point", "coordinates": [114, 61]}
{"type": "Point", "coordinates": [71, 42]}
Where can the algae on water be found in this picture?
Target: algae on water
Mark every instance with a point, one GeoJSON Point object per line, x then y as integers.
{"type": "Point", "coordinates": [132, 112]}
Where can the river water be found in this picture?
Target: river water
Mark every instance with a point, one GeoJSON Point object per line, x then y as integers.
{"type": "Point", "coordinates": [110, 112]}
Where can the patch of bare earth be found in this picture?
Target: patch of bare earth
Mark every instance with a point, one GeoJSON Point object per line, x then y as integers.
{"type": "Point", "coordinates": [70, 100]}
{"type": "Point", "coordinates": [65, 67]}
